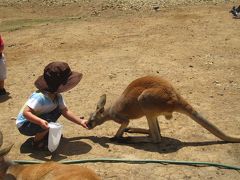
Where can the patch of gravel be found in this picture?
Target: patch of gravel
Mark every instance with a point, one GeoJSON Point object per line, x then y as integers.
{"type": "Point", "coordinates": [112, 4]}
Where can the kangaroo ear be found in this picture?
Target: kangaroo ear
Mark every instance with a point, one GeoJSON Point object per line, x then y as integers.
{"type": "Point", "coordinates": [6, 150]}
{"type": "Point", "coordinates": [101, 102]}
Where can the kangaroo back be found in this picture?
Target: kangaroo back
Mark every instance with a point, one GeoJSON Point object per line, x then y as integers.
{"type": "Point", "coordinates": [52, 170]}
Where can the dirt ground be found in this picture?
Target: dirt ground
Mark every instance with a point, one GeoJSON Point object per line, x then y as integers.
{"type": "Point", "coordinates": [196, 47]}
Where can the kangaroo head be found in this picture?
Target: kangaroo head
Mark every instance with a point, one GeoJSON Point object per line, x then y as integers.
{"type": "Point", "coordinates": [97, 118]}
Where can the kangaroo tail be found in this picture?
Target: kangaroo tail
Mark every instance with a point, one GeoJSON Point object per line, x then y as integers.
{"type": "Point", "coordinates": [186, 108]}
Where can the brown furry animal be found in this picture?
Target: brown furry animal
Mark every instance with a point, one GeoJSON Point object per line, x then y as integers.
{"type": "Point", "coordinates": [149, 96]}
{"type": "Point", "coordinates": [45, 171]}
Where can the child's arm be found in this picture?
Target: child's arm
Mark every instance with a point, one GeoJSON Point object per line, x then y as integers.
{"type": "Point", "coordinates": [71, 117]}
{"type": "Point", "coordinates": [28, 113]}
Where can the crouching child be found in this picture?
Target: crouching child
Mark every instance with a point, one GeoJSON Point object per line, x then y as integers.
{"type": "Point", "coordinates": [47, 104]}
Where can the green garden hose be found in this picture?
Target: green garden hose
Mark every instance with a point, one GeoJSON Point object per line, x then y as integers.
{"type": "Point", "coordinates": [136, 161]}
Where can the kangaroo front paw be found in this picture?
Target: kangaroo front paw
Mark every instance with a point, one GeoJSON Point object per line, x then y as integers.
{"type": "Point", "coordinates": [128, 129]}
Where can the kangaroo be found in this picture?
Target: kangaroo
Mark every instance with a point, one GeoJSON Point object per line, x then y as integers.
{"type": "Point", "coordinates": [49, 170]}
{"type": "Point", "coordinates": [149, 96]}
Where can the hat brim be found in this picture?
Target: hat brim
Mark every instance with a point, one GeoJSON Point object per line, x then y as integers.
{"type": "Point", "coordinates": [72, 81]}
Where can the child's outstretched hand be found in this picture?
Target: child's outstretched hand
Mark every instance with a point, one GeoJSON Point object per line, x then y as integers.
{"type": "Point", "coordinates": [83, 122]}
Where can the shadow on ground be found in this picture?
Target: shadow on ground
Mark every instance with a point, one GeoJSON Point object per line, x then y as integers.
{"type": "Point", "coordinates": [67, 147]}
{"type": "Point", "coordinates": [74, 146]}
{"type": "Point", "coordinates": [168, 145]}
{"type": "Point", "coordinates": [5, 97]}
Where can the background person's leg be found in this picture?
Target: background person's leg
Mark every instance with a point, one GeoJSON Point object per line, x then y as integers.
{"type": "Point", "coordinates": [2, 90]}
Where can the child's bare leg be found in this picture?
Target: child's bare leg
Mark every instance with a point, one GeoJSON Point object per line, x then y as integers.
{"type": "Point", "coordinates": [40, 136]}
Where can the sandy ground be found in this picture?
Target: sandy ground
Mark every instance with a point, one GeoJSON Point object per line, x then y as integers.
{"type": "Point", "coordinates": [194, 47]}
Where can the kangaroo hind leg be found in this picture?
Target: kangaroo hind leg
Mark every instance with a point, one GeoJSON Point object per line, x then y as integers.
{"type": "Point", "coordinates": [154, 129]}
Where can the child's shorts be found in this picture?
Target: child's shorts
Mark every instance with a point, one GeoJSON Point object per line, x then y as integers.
{"type": "Point", "coordinates": [3, 72]}
{"type": "Point", "coordinates": [30, 129]}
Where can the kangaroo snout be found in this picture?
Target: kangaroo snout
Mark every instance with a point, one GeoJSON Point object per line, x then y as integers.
{"type": "Point", "coordinates": [89, 125]}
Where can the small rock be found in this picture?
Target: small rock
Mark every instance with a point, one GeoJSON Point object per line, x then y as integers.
{"type": "Point", "coordinates": [217, 83]}
{"type": "Point", "coordinates": [12, 45]}
{"type": "Point", "coordinates": [210, 63]}
{"type": "Point", "coordinates": [156, 7]}
{"type": "Point", "coordinates": [111, 76]}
